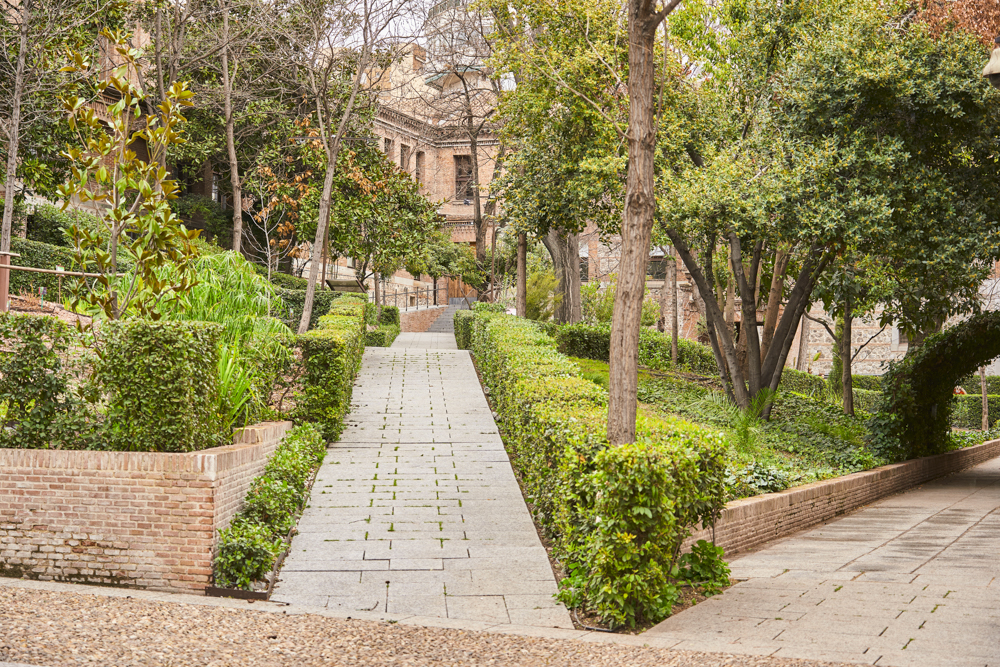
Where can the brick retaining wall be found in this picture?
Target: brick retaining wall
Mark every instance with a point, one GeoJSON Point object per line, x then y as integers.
{"type": "Point", "coordinates": [749, 523]}
{"type": "Point", "coordinates": [418, 321]}
{"type": "Point", "coordinates": [134, 519]}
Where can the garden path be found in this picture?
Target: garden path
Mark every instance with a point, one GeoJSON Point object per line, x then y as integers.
{"type": "Point", "coordinates": [416, 509]}
{"type": "Point", "coordinates": [913, 580]}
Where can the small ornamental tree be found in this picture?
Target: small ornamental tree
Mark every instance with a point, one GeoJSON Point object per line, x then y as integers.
{"type": "Point", "coordinates": [129, 194]}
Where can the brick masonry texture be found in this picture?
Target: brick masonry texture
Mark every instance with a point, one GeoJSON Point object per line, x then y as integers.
{"type": "Point", "coordinates": [418, 321]}
{"type": "Point", "coordinates": [135, 519]}
{"type": "Point", "coordinates": [749, 523]}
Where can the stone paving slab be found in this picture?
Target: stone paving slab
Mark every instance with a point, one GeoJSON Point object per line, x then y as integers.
{"type": "Point", "coordinates": [416, 510]}
{"type": "Point", "coordinates": [911, 581]}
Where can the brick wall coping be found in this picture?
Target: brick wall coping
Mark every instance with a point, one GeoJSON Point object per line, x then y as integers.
{"type": "Point", "coordinates": [206, 461]}
{"type": "Point", "coordinates": [749, 523]}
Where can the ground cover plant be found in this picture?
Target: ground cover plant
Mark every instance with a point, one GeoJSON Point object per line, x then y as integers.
{"type": "Point", "coordinates": [616, 515]}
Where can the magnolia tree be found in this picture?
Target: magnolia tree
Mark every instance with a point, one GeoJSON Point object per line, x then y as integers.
{"type": "Point", "coordinates": [128, 194]}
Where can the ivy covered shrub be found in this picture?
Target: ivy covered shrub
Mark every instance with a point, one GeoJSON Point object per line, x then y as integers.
{"type": "Point", "coordinates": [617, 515]}
{"type": "Point", "coordinates": [593, 341]}
{"type": "Point", "coordinates": [914, 415]}
{"type": "Point", "coordinates": [36, 372]}
{"type": "Point", "coordinates": [331, 358]}
{"type": "Point", "coordinates": [161, 385]}
{"type": "Point", "coordinates": [463, 329]}
{"type": "Point", "coordinates": [247, 549]}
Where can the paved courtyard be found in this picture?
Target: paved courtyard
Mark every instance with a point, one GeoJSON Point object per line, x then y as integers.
{"type": "Point", "coordinates": [416, 509]}
{"type": "Point", "coordinates": [911, 580]}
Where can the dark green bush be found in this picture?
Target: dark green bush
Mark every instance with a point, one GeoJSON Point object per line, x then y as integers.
{"type": "Point", "coordinates": [44, 256]}
{"type": "Point", "coordinates": [295, 299]}
{"type": "Point", "coordinates": [331, 356]}
{"type": "Point", "coordinates": [463, 329]}
{"type": "Point", "coordinates": [593, 341]}
{"type": "Point", "coordinates": [390, 315]}
{"type": "Point", "coordinates": [866, 400]}
{"type": "Point", "coordinates": [161, 385]}
{"type": "Point", "coordinates": [248, 549]}
{"type": "Point", "coordinates": [803, 383]}
{"type": "Point", "coordinates": [867, 382]}
{"type": "Point", "coordinates": [201, 212]}
{"type": "Point", "coordinates": [971, 384]}
{"type": "Point", "coordinates": [42, 411]}
{"type": "Point", "coordinates": [284, 280]}
{"type": "Point", "coordinates": [967, 410]}
{"type": "Point", "coordinates": [46, 224]}
{"type": "Point", "coordinates": [381, 336]}
{"type": "Point", "coordinates": [617, 515]}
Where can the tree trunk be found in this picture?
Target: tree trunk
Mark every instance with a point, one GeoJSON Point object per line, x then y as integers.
{"type": "Point", "coordinates": [234, 166]}
{"type": "Point", "coordinates": [661, 322]}
{"type": "Point", "coordinates": [674, 315]}
{"type": "Point", "coordinates": [565, 251]}
{"type": "Point", "coordinates": [332, 152]}
{"type": "Point", "coordinates": [986, 400]}
{"type": "Point", "coordinates": [478, 220]}
{"type": "Point", "coordinates": [847, 379]}
{"type": "Point", "coordinates": [15, 129]}
{"type": "Point", "coordinates": [637, 225]}
{"type": "Point", "coordinates": [521, 291]}
{"type": "Point", "coordinates": [774, 299]}
{"type": "Point", "coordinates": [802, 363]}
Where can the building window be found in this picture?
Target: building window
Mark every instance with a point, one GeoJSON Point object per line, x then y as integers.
{"type": "Point", "coordinates": [584, 269]}
{"type": "Point", "coordinates": [463, 177]}
{"type": "Point", "coordinates": [419, 170]}
{"type": "Point", "coordinates": [404, 157]}
{"type": "Point", "coordinates": [388, 148]}
{"type": "Point", "coordinates": [656, 269]}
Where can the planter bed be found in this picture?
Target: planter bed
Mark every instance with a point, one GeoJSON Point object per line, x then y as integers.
{"type": "Point", "coordinates": [134, 519]}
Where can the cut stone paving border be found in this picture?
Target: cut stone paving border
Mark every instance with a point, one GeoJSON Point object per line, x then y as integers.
{"type": "Point", "coordinates": [750, 523]}
{"type": "Point", "coordinates": [136, 519]}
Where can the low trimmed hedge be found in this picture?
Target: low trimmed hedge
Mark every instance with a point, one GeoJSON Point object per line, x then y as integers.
{"type": "Point", "coordinates": [381, 336]}
{"type": "Point", "coordinates": [802, 383]}
{"type": "Point", "coordinates": [971, 384]}
{"type": "Point", "coordinates": [331, 356]}
{"type": "Point", "coordinates": [966, 410]}
{"type": "Point", "coordinates": [867, 382]}
{"type": "Point", "coordinates": [463, 329]}
{"type": "Point", "coordinates": [617, 515]}
{"type": "Point", "coordinates": [248, 548]}
{"type": "Point", "coordinates": [46, 224]}
{"type": "Point", "coordinates": [593, 341]}
{"type": "Point", "coordinates": [389, 315]}
{"type": "Point", "coordinates": [487, 307]}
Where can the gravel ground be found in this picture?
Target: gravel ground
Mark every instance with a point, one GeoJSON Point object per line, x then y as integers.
{"type": "Point", "coordinates": [55, 629]}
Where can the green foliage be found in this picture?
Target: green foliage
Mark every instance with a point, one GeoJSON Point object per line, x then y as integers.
{"type": "Point", "coordinates": [247, 550]}
{"type": "Point", "coordinates": [295, 299]}
{"type": "Point", "coordinates": [48, 224]}
{"type": "Point", "coordinates": [41, 256]}
{"type": "Point", "coordinates": [199, 211]}
{"type": "Point", "coordinates": [487, 307]}
{"type": "Point", "coordinates": [962, 439]}
{"type": "Point", "coordinates": [914, 415]}
{"type": "Point", "coordinates": [389, 315]}
{"type": "Point", "coordinates": [598, 303]}
{"type": "Point", "coordinates": [542, 296]}
{"type": "Point", "coordinates": [41, 410]}
{"type": "Point", "coordinates": [463, 329]}
{"type": "Point", "coordinates": [162, 385]}
{"type": "Point", "coordinates": [287, 281]}
{"type": "Point", "coordinates": [803, 383]}
{"type": "Point", "coordinates": [874, 382]}
{"type": "Point", "coordinates": [130, 194]}
{"type": "Point", "coordinates": [972, 385]}
{"type": "Point", "coordinates": [439, 256]}
{"type": "Point", "coordinates": [235, 389]}
{"type": "Point", "coordinates": [592, 341]}
{"type": "Point", "coordinates": [331, 357]}
{"type": "Point", "coordinates": [245, 553]}
{"type": "Point", "coordinates": [967, 410]}
{"type": "Point", "coordinates": [746, 423]}
{"type": "Point", "coordinates": [756, 478]}
{"type": "Point", "coordinates": [381, 336]}
{"type": "Point", "coordinates": [705, 566]}
{"type": "Point", "coordinates": [617, 515]}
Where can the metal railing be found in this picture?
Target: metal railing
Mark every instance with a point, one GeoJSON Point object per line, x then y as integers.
{"type": "Point", "coordinates": [406, 298]}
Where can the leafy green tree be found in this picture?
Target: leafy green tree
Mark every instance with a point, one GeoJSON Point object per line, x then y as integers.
{"type": "Point", "coordinates": [438, 256]}
{"type": "Point", "coordinates": [129, 195]}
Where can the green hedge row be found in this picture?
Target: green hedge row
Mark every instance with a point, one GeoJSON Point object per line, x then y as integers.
{"type": "Point", "coordinates": [966, 411]}
{"type": "Point", "coordinates": [248, 548]}
{"type": "Point", "coordinates": [46, 224]}
{"type": "Point", "coordinates": [381, 336]}
{"type": "Point", "coordinates": [463, 329]}
{"type": "Point", "coordinates": [161, 385]}
{"type": "Point", "coordinates": [331, 357]}
{"type": "Point", "coordinates": [617, 515]}
{"type": "Point", "coordinates": [593, 341]}
{"type": "Point", "coordinates": [802, 383]}
{"type": "Point", "coordinates": [389, 315]}
{"type": "Point", "coordinates": [972, 385]}
{"type": "Point", "coordinates": [867, 382]}
{"type": "Point", "coordinates": [295, 300]}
